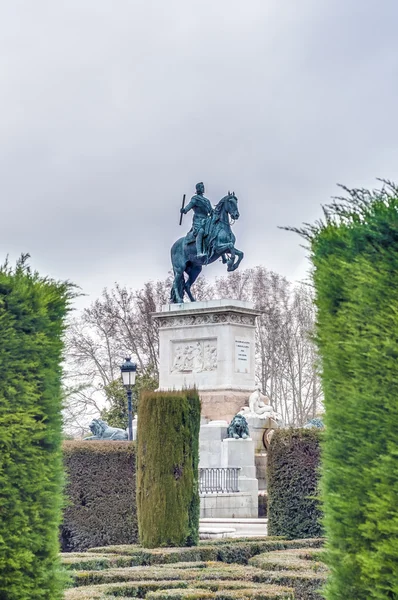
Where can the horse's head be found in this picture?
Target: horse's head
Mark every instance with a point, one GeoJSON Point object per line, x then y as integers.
{"type": "Point", "coordinates": [230, 204]}
{"type": "Point", "coordinates": [232, 207]}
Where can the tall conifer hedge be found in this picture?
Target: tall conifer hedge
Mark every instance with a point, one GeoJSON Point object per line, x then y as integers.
{"type": "Point", "coordinates": [293, 478]}
{"type": "Point", "coordinates": [32, 313]}
{"type": "Point", "coordinates": [355, 257]}
{"type": "Point", "coordinates": [168, 468]}
{"type": "Point", "coordinates": [100, 492]}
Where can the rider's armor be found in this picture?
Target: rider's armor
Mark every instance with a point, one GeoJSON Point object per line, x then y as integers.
{"type": "Point", "coordinates": [202, 209]}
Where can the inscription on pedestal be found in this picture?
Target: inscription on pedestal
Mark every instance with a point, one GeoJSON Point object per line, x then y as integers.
{"type": "Point", "coordinates": [194, 356]}
{"type": "Point", "coordinates": [242, 356]}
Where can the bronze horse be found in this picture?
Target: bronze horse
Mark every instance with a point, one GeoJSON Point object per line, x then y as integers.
{"type": "Point", "coordinates": [219, 242]}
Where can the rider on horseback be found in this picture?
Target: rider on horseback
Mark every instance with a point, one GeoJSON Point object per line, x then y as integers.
{"type": "Point", "coordinates": [212, 227]}
{"type": "Point", "coordinates": [203, 210]}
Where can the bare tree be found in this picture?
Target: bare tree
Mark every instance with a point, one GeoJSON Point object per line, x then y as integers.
{"type": "Point", "coordinates": [285, 353]}
{"type": "Point", "coordinates": [116, 325]}
{"type": "Point", "coordinates": [119, 323]}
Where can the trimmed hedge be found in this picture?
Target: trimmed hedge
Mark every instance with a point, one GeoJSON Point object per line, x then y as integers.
{"type": "Point", "coordinates": [32, 322]}
{"type": "Point", "coordinates": [167, 468]}
{"type": "Point", "coordinates": [104, 576]}
{"type": "Point", "coordinates": [101, 507]}
{"type": "Point", "coordinates": [292, 474]}
{"type": "Point", "coordinates": [217, 571]}
{"type": "Point", "coordinates": [227, 550]}
{"type": "Point", "coordinates": [303, 570]}
{"type": "Point", "coordinates": [204, 590]}
{"type": "Point", "coordinates": [355, 255]}
{"type": "Point", "coordinates": [267, 592]}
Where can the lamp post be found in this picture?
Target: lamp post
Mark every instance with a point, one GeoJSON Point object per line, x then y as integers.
{"type": "Point", "coordinates": [128, 371]}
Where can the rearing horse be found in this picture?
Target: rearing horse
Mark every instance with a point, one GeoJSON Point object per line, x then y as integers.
{"type": "Point", "coordinates": [220, 243]}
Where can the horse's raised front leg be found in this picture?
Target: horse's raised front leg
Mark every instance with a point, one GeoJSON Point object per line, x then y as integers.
{"type": "Point", "coordinates": [230, 262]}
{"type": "Point", "coordinates": [240, 256]}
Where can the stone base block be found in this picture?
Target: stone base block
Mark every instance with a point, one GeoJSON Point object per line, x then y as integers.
{"type": "Point", "coordinates": [241, 504]}
{"type": "Point", "coordinates": [222, 404]}
{"type": "Point", "coordinates": [248, 484]}
{"type": "Point", "coordinates": [248, 472]}
{"type": "Point", "coordinates": [237, 453]}
{"type": "Point", "coordinates": [210, 439]}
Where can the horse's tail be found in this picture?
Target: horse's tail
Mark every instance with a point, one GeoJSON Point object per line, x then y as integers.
{"type": "Point", "coordinates": [178, 262]}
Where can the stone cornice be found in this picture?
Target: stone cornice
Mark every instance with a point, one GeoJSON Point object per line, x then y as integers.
{"type": "Point", "coordinates": [207, 316]}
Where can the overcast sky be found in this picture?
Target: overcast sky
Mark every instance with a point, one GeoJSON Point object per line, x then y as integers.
{"type": "Point", "coordinates": [111, 109]}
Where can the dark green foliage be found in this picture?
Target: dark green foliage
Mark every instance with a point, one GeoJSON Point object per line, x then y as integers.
{"type": "Point", "coordinates": [32, 317]}
{"type": "Point", "coordinates": [167, 468]}
{"type": "Point", "coordinates": [293, 473]}
{"type": "Point", "coordinates": [355, 257]}
{"type": "Point", "coordinates": [117, 415]}
{"type": "Point", "coordinates": [101, 508]}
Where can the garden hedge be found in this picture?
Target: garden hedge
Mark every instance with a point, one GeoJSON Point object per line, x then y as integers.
{"type": "Point", "coordinates": [101, 506]}
{"type": "Point", "coordinates": [354, 251]}
{"type": "Point", "coordinates": [32, 322]}
{"type": "Point", "coordinates": [167, 468]}
{"type": "Point", "coordinates": [132, 571]}
{"type": "Point", "coordinates": [292, 475]}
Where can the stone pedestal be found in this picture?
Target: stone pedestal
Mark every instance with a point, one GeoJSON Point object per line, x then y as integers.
{"type": "Point", "coordinates": [135, 423]}
{"type": "Point", "coordinates": [218, 404]}
{"type": "Point", "coordinates": [209, 345]}
{"type": "Point", "coordinates": [261, 470]}
{"type": "Point", "coordinates": [218, 452]}
{"type": "Point", "coordinates": [257, 427]}
{"type": "Point", "coordinates": [240, 453]}
{"type": "Point", "coordinates": [210, 439]}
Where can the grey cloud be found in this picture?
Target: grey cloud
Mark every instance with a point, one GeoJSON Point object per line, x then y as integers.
{"type": "Point", "coordinates": [110, 111]}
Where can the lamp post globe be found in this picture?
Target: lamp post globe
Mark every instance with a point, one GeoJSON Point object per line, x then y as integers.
{"type": "Point", "coordinates": [128, 372]}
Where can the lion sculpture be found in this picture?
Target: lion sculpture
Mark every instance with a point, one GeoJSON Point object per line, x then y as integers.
{"type": "Point", "coordinates": [238, 428]}
{"type": "Point", "coordinates": [102, 431]}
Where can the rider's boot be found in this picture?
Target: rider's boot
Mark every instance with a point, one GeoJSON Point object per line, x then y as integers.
{"type": "Point", "coordinates": [199, 248]}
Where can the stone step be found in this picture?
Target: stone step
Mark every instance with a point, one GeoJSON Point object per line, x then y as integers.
{"type": "Point", "coordinates": [209, 533]}
{"type": "Point", "coordinates": [242, 527]}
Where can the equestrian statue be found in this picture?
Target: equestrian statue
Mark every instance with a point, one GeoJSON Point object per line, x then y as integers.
{"type": "Point", "coordinates": [209, 239]}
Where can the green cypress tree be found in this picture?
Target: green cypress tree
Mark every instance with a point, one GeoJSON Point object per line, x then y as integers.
{"type": "Point", "coordinates": [355, 256]}
{"type": "Point", "coordinates": [292, 483]}
{"type": "Point", "coordinates": [32, 319]}
{"type": "Point", "coordinates": [167, 468]}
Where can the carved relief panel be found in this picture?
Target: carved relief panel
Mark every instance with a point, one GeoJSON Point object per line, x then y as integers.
{"type": "Point", "coordinates": [194, 356]}
{"type": "Point", "coordinates": [189, 320]}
